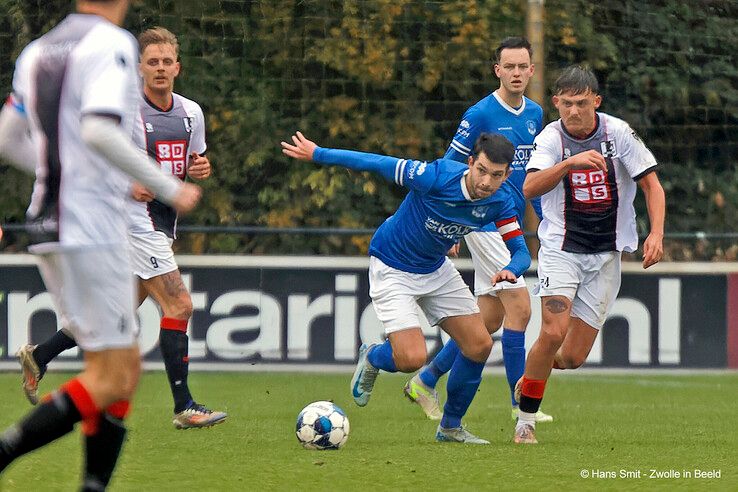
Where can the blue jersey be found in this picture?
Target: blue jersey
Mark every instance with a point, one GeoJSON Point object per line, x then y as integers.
{"type": "Point", "coordinates": [436, 212]}
{"type": "Point", "coordinates": [520, 126]}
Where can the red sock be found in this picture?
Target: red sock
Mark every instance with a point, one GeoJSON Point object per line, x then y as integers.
{"type": "Point", "coordinates": [85, 405]}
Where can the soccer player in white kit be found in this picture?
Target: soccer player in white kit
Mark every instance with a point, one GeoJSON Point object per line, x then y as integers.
{"type": "Point", "coordinates": [585, 166]}
{"type": "Point", "coordinates": [171, 128]}
{"type": "Point", "coordinates": [75, 91]}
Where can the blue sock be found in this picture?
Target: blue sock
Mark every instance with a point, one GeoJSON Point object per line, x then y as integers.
{"type": "Point", "coordinates": [440, 364]}
{"type": "Point", "coordinates": [461, 387]}
{"type": "Point", "coordinates": [380, 356]}
{"type": "Point", "coordinates": [513, 353]}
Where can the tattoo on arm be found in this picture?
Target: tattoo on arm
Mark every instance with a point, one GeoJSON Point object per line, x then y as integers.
{"type": "Point", "coordinates": [556, 306]}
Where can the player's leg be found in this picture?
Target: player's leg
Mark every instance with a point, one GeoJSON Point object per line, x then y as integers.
{"type": "Point", "coordinates": [159, 277]}
{"type": "Point", "coordinates": [577, 345]}
{"type": "Point", "coordinates": [99, 302]}
{"type": "Point", "coordinates": [559, 274]}
{"type": "Point", "coordinates": [555, 323]}
{"type": "Point", "coordinates": [452, 306]}
{"type": "Point", "coordinates": [465, 376]}
{"type": "Point", "coordinates": [34, 358]}
{"type": "Point", "coordinates": [489, 254]}
{"type": "Point", "coordinates": [589, 310]}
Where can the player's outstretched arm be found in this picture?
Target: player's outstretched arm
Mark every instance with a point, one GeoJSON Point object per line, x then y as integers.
{"type": "Point", "coordinates": [391, 168]}
{"type": "Point", "coordinates": [653, 247]}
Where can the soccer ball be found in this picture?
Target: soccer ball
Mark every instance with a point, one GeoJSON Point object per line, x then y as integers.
{"type": "Point", "coordinates": [322, 425]}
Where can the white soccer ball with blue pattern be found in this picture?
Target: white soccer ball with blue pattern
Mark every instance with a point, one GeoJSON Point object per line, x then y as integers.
{"type": "Point", "coordinates": [322, 425]}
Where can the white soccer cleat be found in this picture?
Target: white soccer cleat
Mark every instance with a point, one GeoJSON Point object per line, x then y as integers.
{"type": "Point", "coordinates": [525, 434]}
{"type": "Point", "coordinates": [458, 434]}
{"type": "Point", "coordinates": [417, 392]}
{"type": "Point", "coordinates": [365, 374]}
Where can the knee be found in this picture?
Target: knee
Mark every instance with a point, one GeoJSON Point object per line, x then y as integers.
{"type": "Point", "coordinates": [571, 361]}
{"type": "Point", "coordinates": [122, 381]}
{"type": "Point", "coordinates": [551, 337]}
{"type": "Point", "coordinates": [409, 359]}
{"type": "Point", "coordinates": [181, 308]}
{"type": "Point", "coordinates": [493, 322]}
{"type": "Point", "coordinates": [478, 351]}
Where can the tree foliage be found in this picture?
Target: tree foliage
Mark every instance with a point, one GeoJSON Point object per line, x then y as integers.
{"type": "Point", "coordinates": [394, 77]}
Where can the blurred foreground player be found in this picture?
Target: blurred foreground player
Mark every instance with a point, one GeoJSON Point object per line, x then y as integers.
{"type": "Point", "coordinates": [171, 128]}
{"type": "Point", "coordinates": [408, 268]}
{"type": "Point", "coordinates": [74, 90]}
{"type": "Point", "coordinates": [585, 166]}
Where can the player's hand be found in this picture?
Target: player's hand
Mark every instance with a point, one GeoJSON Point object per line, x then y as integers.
{"type": "Point", "coordinates": [590, 159]}
{"type": "Point", "coordinates": [199, 167]}
{"type": "Point", "coordinates": [302, 149]}
{"type": "Point", "coordinates": [504, 276]}
{"type": "Point", "coordinates": [140, 193]}
{"type": "Point", "coordinates": [653, 250]}
{"type": "Point", "coordinates": [454, 251]}
{"type": "Point", "coordinates": [186, 198]}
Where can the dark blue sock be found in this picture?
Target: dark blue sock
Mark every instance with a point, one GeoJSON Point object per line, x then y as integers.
{"type": "Point", "coordinates": [462, 385]}
{"type": "Point", "coordinates": [380, 356]}
{"type": "Point", "coordinates": [513, 353]}
{"type": "Point", "coordinates": [440, 364]}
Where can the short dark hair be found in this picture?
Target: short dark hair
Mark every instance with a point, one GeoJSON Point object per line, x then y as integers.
{"type": "Point", "coordinates": [512, 42]}
{"type": "Point", "coordinates": [575, 80]}
{"type": "Point", "coordinates": [496, 147]}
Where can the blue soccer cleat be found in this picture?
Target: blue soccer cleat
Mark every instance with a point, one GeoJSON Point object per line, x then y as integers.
{"type": "Point", "coordinates": [365, 374]}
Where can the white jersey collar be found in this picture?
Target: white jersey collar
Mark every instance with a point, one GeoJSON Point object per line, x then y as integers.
{"type": "Point", "coordinates": [464, 189]}
{"type": "Point", "coordinates": [516, 112]}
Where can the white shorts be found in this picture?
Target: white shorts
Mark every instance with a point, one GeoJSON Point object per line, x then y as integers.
{"type": "Point", "coordinates": [151, 254]}
{"type": "Point", "coordinates": [94, 294]}
{"type": "Point", "coordinates": [397, 295]}
{"type": "Point", "coordinates": [590, 281]}
{"type": "Point", "coordinates": [489, 255]}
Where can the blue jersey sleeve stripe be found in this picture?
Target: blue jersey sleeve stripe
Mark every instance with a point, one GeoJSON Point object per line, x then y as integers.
{"type": "Point", "coordinates": [460, 147]}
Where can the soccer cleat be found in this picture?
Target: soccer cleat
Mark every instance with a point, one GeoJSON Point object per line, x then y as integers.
{"type": "Point", "coordinates": [417, 392]}
{"type": "Point", "coordinates": [32, 374]}
{"type": "Point", "coordinates": [197, 416]}
{"type": "Point", "coordinates": [458, 434]}
{"type": "Point", "coordinates": [525, 434]}
{"type": "Point", "coordinates": [364, 376]}
{"type": "Point", "coordinates": [540, 416]}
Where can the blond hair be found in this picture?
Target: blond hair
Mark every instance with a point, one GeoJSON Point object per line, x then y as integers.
{"type": "Point", "coordinates": [157, 35]}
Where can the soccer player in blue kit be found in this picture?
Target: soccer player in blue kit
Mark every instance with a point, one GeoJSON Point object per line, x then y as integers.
{"type": "Point", "coordinates": [508, 112]}
{"type": "Point", "coordinates": [408, 268]}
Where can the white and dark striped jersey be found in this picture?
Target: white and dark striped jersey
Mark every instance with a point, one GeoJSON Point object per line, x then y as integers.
{"type": "Point", "coordinates": [169, 137]}
{"type": "Point", "coordinates": [590, 210]}
{"type": "Point", "coordinates": [85, 65]}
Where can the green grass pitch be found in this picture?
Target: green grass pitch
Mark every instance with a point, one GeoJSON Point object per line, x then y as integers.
{"type": "Point", "coordinates": [605, 424]}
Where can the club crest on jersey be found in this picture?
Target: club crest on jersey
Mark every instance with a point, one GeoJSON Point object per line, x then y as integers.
{"type": "Point", "coordinates": [567, 153]}
{"type": "Point", "coordinates": [531, 127]}
{"type": "Point", "coordinates": [188, 120]}
{"type": "Point", "coordinates": [149, 128]}
{"type": "Point", "coordinates": [608, 148]}
{"type": "Point", "coordinates": [479, 212]}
